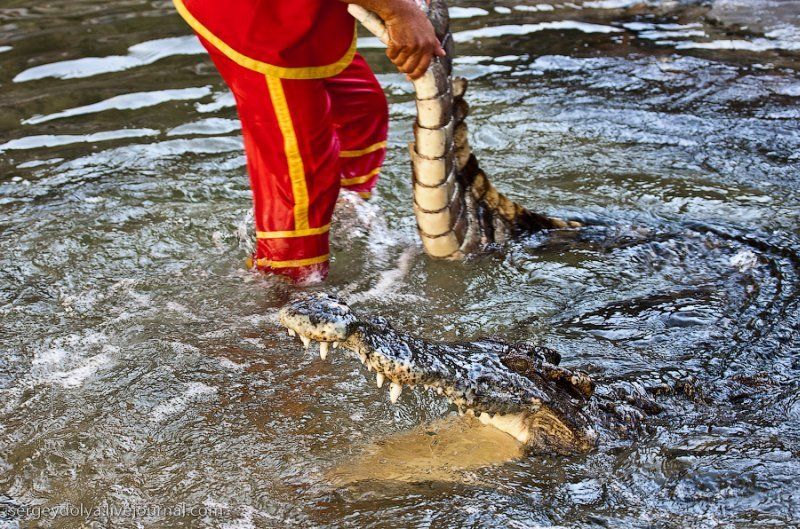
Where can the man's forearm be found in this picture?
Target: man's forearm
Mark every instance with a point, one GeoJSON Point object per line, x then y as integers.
{"type": "Point", "coordinates": [388, 10]}
{"type": "Point", "coordinates": [412, 43]}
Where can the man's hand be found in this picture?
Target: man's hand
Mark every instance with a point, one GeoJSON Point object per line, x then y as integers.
{"type": "Point", "coordinates": [413, 43]}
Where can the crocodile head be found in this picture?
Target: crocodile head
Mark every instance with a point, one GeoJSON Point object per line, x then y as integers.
{"type": "Point", "coordinates": [518, 389]}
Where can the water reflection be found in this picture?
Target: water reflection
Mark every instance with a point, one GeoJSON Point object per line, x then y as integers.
{"type": "Point", "coordinates": [138, 55]}
{"type": "Point", "coordinates": [133, 101]}
{"type": "Point", "coordinates": [51, 140]}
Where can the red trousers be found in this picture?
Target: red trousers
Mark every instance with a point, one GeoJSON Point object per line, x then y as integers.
{"type": "Point", "coordinates": [304, 139]}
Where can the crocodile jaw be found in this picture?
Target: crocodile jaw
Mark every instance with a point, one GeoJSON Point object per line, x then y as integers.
{"type": "Point", "coordinates": [476, 383]}
{"type": "Point", "coordinates": [471, 378]}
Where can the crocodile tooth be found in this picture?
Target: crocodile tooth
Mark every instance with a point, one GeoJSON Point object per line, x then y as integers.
{"type": "Point", "coordinates": [306, 341]}
{"type": "Point", "coordinates": [379, 379]}
{"type": "Point", "coordinates": [439, 391]}
{"type": "Point", "coordinates": [335, 345]}
{"type": "Point", "coordinates": [323, 350]}
{"type": "Point", "coordinates": [394, 391]}
{"type": "Point", "coordinates": [291, 332]}
{"type": "Point", "coordinates": [363, 357]}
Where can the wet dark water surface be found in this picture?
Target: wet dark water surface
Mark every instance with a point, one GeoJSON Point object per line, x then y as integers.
{"type": "Point", "coordinates": [141, 365]}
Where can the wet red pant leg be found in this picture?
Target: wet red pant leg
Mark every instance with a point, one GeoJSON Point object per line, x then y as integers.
{"type": "Point", "coordinates": [361, 117]}
{"type": "Point", "coordinates": [293, 162]}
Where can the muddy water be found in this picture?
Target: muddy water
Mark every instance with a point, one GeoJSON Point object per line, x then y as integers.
{"type": "Point", "coordinates": [141, 366]}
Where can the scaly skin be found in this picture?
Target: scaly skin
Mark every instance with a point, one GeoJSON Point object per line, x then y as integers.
{"type": "Point", "coordinates": [457, 208]}
{"type": "Point", "coordinates": [518, 388]}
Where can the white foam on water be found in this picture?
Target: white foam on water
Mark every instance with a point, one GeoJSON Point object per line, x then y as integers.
{"type": "Point", "coordinates": [245, 522]}
{"type": "Point", "coordinates": [138, 55]}
{"type": "Point", "coordinates": [131, 101]}
{"type": "Point", "coordinates": [209, 126]}
{"type": "Point", "coordinates": [366, 218]}
{"type": "Point", "coordinates": [70, 360]}
{"type": "Point", "coordinates": [585, 492]}
{"type": "Point", "coordinates": [194, 392]}
{"type": "Point", "coordinates": [525, 29]}
{"type": "Point", "coordinates": [638, 26]}
{"type": "Point", "coordinates": [37, 163]}
{"type": "Point", "coordinates": [744, 260]}
{"type": "Point", "coordinates": [146, 154]}
{"type": "Point", "coordinates": [676, 34]}
{"type": "Point", "coordinates": [51, 355]}
{"type": "Point", "coordinates": [791, 89]}
{"type": "Point", "coordinates": [611, 4]}
{"type": "Point", "coordinates": [646, 26]}
{"type": "Point", "coordinates": [537, 7]}
{"type": "Point", "coordinates": [782, 38]}
{"type": "Point", "coordinates": [268, 318]}
{"type": "Point", "coordinates": [475, 71]}
{"type": "Point", "coordinates": [52, 140]}
{"type": "Point", "coordinates": [546, 63]}
{"type": "Point", "coordinates": [790, 34]}
{"type": "Point", "coordinates": [182, 348]}
{"type": "Point", "coordinates": [76, 377]}
{"type": "Point", "coordinates": [472, 59]}
{"type": "Point", "coordinates": [185, 313]}
{"type": "Point", "coordinates": [502, 10]}
{"type": "Point", "coordinates": [221, 100]}
{"type": "Point", "coordinates": [395, 84]}
{"type": "Point", "coordinates": [4, 49]}
{"type": "Point", "coordinates": [467, 12]}
{"type": "Point", "coordinates": [245, 232]}
{"type": "Point", "coordinates": [59, 349]}
{"type": "Point", "coordinates": [756, 45]}
{"type": "Point", "coordinates": [227, 363]}
{"type": "Point", "coordinates": [793, 113]}
{"type": "Point", "coordinates": [391, 281]}
{"type": "Point", "coordinates": [510, 58]}
{"type": "Point", "coordinates": [248, 519]}
{"type": "Point", "coordinates": [368, 43]}
{"type": "Point", "coordinates": [255, 342]}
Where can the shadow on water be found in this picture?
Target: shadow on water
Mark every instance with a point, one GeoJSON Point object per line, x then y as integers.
{"type": "Point", "coordinates": [141, 365]}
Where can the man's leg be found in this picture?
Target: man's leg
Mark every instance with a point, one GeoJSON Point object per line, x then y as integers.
{"type": "Point", "coordinates": [361, 117]}
{"type": "Point", "coordinates": [293, 162]}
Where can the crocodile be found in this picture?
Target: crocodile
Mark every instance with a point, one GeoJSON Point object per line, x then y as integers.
{"type": "Point", "coordinates": [457, 208]}
{"type": "Point", "coordinates": [518, 388]}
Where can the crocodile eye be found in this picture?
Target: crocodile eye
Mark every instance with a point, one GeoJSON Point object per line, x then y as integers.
{"type": "Point", "coordinates": [518, 363]}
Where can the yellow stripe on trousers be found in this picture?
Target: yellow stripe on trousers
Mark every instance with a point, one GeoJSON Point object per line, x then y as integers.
{"type": "Point", "coordinates": [360, 179]}
{"type": "Point", "coordinates": [309, 72]}
{"type": "Point", "coordinates": [292, 233]}
{"type": "Point", "coordinates": [295, 162]}
{"type": "Point", "coordinates": [355, 154]}
{"type": "Point", "coordinates": [293, 263]}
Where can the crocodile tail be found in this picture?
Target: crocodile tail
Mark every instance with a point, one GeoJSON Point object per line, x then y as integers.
{"type": "Point", "coordinates": [458, 209]}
